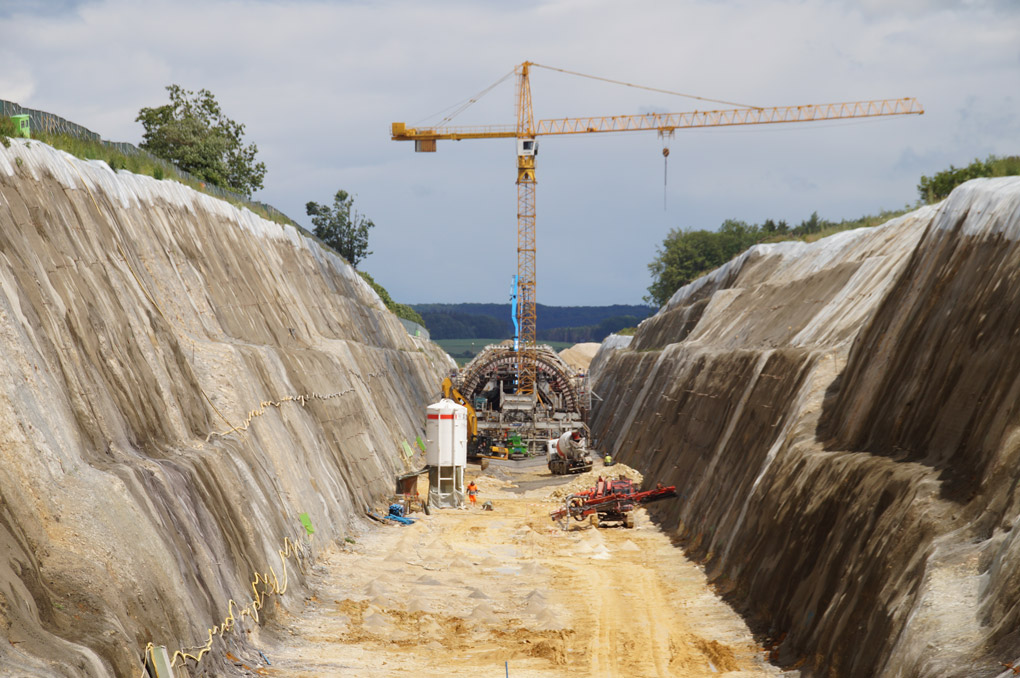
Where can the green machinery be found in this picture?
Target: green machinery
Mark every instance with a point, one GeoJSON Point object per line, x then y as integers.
{"type": "Point", "coordinates": [22, 126]}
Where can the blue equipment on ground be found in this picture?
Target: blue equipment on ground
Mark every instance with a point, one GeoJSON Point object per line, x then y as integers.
{"type": "Point", "coordinates": [396, 514]}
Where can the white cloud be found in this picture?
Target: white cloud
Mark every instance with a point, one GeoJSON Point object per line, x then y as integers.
{"type": "Point", "coordinates": [318, 83]}
{"type": "Point", "coordinates": [16, 83]}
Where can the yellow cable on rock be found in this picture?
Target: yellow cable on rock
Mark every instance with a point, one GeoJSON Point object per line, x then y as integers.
{"type": "Point", "coordinates": [303, 398]}
{"type": "Point", "coordinates": [270, 583]}
{"type": "Point", "coordinates": [251, 609]}
{"type": "Point", "coordinates": [271, 586]}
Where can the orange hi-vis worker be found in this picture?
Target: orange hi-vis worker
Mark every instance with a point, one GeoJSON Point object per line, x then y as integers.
{"type": "Point", "coordinates": [472, 490]}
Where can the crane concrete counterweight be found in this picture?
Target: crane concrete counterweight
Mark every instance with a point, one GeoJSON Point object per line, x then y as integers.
{"type": "Point", "coordinates": [527, 361]}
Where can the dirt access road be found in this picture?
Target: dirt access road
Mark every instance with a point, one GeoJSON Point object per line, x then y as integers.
{"type": "Point", "coordinates": [490, 593]}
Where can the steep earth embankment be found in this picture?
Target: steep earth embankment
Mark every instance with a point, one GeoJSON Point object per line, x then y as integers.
{"type": "Point", "coordinates": [181, 380]}
{"type": "Point", "coordinates": [841, 419]}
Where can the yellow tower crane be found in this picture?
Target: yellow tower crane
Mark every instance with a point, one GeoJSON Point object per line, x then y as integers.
{"type": "Point", "coordinates": [526, 131]}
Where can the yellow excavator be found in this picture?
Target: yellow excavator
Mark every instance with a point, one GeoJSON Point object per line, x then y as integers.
{"type": "Point", "coordinates": [450, 392]}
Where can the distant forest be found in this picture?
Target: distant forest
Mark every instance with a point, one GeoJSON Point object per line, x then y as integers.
{"type": "Point", "coordinates": [687, 254]}
{"type": "Point", "coordinates": [555, 323]}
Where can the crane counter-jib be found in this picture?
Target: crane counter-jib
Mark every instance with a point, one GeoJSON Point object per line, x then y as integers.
{"type": "Point", "coordinates": [400, 132]}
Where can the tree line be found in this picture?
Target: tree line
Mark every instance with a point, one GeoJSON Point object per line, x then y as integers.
{"type": "Point", "coordinates": [556, 323]}
{"type": "Point", "coordinates": [586, 333]}
{"type": "Point", "coordinates": [685, 254]}
{"type": "Point", "coordinates": [193, 132]}
{"type": "Point", "coordinates": [941, 184]}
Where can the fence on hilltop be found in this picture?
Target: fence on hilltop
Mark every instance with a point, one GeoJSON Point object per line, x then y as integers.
{"type": "Point", "coordinates": [414, 329]}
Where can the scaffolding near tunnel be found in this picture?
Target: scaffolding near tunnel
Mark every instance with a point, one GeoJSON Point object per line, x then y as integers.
{"type": "Point", "coordinates": [520, 425]}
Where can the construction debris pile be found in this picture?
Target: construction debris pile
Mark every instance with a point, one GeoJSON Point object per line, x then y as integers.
{"type": "Point", "coordinates": [583, 481]}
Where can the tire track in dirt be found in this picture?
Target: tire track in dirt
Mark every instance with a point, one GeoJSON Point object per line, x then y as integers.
{"type": "Point", "coordinates": [603, 653]}
{"type": "Point", "coordinates": [469, 592]}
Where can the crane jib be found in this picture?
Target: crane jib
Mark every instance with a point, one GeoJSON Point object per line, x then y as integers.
{"type": "Point", "coordinates": [526, 129]}
{"type": "Point", "coordinates": [672, 121]}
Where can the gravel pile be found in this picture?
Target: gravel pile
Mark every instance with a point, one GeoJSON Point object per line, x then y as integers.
{"type": "Point", "coordinates": [585, 481]}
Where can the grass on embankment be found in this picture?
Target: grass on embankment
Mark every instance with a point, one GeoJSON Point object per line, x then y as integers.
{"type": "Point", "coordinates": [137, 164]}
{"type": "Point", "coordinates": [849, 225]}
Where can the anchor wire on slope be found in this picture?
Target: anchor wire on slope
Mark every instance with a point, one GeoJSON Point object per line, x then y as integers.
{"type": "Point", "coordinates": [302, 399]}
{"type": "Point", "coordinates": [270, 581]}
{"type": "Point", "coordinates": [272, 585]}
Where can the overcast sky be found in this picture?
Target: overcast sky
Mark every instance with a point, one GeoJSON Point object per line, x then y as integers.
{"type": "Point", "coordinates": [317, 85]}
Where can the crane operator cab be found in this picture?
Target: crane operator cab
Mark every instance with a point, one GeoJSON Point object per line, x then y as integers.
{"type": "Point", "coordinates": [527, 147]}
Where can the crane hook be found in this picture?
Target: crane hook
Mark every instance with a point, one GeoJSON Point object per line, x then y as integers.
{"type": "Point", "coordinates": [665, 172]}
{"type": "Point", "coordinates": [665, 135]}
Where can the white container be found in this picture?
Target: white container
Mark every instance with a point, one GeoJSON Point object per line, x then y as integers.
{"type": "Point", "coordinates": [550, 449]}
{"type": "Point", "coordinates": [446, 434]}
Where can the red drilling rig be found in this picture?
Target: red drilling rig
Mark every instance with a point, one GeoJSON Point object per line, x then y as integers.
{"type": "Point", "coordinates": [609, 501]}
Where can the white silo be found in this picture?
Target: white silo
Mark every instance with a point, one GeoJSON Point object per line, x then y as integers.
{"type": "Point", "coordinates": [446, 452]}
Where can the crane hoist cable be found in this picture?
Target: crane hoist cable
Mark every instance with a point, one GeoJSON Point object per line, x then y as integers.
{"type": "Point", "coordinates": [666, 136]}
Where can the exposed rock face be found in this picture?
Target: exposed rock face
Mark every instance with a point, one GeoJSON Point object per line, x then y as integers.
{"type": "Point", "coordinates": [841, 420]}
{"type": "Point", "coordinates": [137, 318]}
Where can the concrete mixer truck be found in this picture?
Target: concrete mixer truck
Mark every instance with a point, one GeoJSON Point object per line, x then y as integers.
{"type": "Point", "coordinates": [568, 454]}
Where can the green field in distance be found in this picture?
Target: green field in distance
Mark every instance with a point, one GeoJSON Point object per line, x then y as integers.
{"type": "Point", "coordinates": [463, 350]}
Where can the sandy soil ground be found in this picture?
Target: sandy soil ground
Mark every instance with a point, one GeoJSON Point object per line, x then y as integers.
{"type": "Point", "coordinates": [509, 592]}
{"type": "Point", "coordinates": [579, 356]}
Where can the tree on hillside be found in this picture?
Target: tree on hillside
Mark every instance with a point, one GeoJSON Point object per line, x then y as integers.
{"type": "Point", "coordinates": [342, 227]}
{"type": "Point", "coordinates": [683, 256]}
{"type": "Point", "coordinates": [773, 228]}
{"type": "Point", "coordinates": [940, 185]}
{"type": "Point", "coordinates": [812, 224]}
{"type": "Point", "coordinates": [687, 255]}
{"type": "Point", "coordinates": [193, 133]}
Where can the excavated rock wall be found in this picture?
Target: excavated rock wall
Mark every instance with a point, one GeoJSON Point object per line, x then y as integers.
{"type": "Point", "coordinates": [143, 325]}
{"type": "Point", "coordinates": [841, 421]}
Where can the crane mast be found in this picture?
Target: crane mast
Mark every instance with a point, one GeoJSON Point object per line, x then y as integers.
{"type": "Point", "coordinates": [527, 149]}
{"type": "Point", "coordinates": [526, 132]}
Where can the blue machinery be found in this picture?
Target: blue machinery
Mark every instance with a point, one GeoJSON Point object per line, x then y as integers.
{"type": "Point", "coordinates": [517, 323]}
